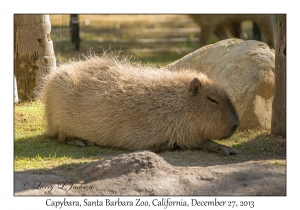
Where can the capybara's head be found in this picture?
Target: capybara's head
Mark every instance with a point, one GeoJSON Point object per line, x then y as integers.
{"type": "Point", "coordinates": [216, 116]}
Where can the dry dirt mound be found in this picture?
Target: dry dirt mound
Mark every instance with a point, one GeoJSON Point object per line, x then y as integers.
{"type": "Point", "coordinates": [146, 173]}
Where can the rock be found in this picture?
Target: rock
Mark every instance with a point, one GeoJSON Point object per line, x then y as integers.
{"type": "Point", "coordinates": [245, 69]}
{"type": "Point", "coordinates": [146, 173]}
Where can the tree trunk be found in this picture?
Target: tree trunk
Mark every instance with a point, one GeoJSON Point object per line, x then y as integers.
{"type": "Point", "coordinates": [33, 53]}
{"type": "Point", "coordinates": [278, 126]}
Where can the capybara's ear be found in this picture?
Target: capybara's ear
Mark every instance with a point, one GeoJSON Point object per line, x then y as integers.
{"type": "Point", "coordinates": [195, 84]}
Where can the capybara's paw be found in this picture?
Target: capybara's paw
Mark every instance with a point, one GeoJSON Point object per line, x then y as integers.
{"type": "Point", "coordinates": [212, 146]}
{"type": "Point", "coordinates": [227, 150]}
{"type": "Point", "coordinates": [76, 142]}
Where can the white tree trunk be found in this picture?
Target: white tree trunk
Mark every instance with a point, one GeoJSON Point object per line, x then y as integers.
{"type": "Point", "coordinates": [33, 52]}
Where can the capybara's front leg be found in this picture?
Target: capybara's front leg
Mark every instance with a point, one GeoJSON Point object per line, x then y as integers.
{"type": "Point", "coordinates": [212, 146]}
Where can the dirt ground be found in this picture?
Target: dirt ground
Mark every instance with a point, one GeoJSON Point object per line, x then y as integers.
{"type": "Point", "coordinates": [168, 173]}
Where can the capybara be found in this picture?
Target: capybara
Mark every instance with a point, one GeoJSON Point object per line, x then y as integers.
{"type": "Point", "coordinates": [229, 25]}
{"type": "Point", "coordinates": [110, 101]}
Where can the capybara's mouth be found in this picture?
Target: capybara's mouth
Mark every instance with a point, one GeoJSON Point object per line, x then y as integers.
{"type": "Point", "coordinates": [228, 135]}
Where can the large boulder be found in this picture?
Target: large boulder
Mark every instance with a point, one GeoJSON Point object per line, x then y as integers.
{"type": "Point", "coordinates": [245, 69]}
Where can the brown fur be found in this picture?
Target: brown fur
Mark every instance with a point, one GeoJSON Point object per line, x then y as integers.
{"type": "Point", "coordinates": [111, 102]}
{"type": "Point", "coordinates": [227, 26]}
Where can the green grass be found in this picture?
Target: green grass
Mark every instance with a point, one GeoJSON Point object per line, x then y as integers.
{"type": "Point", "coordinates": [277, 163]}
{"type": "Point", "coordinates": [255, 141]}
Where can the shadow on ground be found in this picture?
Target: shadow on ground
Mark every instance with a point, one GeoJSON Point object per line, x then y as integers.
{"type": "Point", "coordinates": [272, 150]}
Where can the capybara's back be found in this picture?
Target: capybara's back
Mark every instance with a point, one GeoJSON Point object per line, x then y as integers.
{"type": "Point", "coordinates": [111, 102]}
